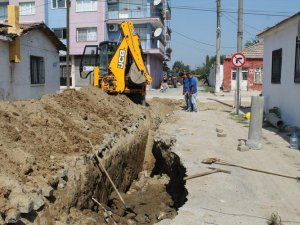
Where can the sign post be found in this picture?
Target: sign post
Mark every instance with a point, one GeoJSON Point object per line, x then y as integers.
{"type": "Point", "coordinates": [238, 60]}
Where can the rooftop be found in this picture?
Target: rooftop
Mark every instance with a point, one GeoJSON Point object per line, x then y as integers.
{"type": "Point", "coordinates": [27, 27]}
{"type": "Point", "coordinates": [255, 51]}
{"type": "Point", "coordinates": [295, 16]}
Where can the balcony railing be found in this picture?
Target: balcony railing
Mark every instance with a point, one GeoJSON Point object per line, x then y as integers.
{"type": "Point", "coordinates": [167, 12]}
{"type": "Point", "coordinates": [133, 14]}
{"type": "Point", "coordinates": [149, 44]}
{"type": "Point", "coordinates": [145, 44]}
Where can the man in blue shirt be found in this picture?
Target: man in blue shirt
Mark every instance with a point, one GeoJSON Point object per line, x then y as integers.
{"type": "Point", "coordinates": [192, 93]}
{"type": "Point", "coordinates": [186, 86]}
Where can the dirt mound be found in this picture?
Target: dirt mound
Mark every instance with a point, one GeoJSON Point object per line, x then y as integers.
{"type": "Point", "coordinates": [38, 137]}
{"type": "Point", "coordinates": [33, 132]}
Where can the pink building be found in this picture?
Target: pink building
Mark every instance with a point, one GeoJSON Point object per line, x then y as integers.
{"type": "Point", "coordinates": [86, 28]}
{"type": "Point", "coordinates": [92, 22]}
{"type": "Point", "coordinates": [30, 11]}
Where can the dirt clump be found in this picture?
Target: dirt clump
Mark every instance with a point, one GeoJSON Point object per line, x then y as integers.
{"type": "Point", "coordinates": [147, 199]}
{"type": "Point", "coordinates": [47, 175]}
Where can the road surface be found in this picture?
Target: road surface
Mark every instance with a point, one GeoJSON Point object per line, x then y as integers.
{"type": "Point", "coordinates": [242, 197]}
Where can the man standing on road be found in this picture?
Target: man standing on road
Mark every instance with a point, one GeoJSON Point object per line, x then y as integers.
{"type": "Point", "coordinates": [192, 93]}
{"type": "Point", "coordinates": [185, 82]}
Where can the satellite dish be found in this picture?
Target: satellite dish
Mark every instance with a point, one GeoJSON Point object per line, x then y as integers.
{"type": "Point", "coordinates": [156, 2]}
{"type": "Point", "coordinates": [157, 32]}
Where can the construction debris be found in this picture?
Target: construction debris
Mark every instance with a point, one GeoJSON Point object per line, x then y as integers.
{"type": "Point", "coordinates": [242, 147]}
{"type": "Point", "coordinates": [220, 131]}
{"type": "Point", "coordinates": [214, 170]}
{"type": "Point", "coordinates": [222, 162]}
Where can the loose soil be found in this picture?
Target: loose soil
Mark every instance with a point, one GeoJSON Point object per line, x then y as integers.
{"type": "Point", "coordinates": [45, 149]}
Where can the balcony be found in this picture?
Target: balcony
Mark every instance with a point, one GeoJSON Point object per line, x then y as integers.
{"type": "Point", "coordinates": [167, 12]}
{"type": "Point", "coordinates": [168, 33]}
{"type": "Point", "coordinates": [139, 16]}
{"type": "Point", "coordinates": [168, 54]}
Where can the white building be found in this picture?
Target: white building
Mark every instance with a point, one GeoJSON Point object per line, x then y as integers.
{"type": "Point", "coordinates": [212, 78]}
{"type": "Point", "coordinates": [281, 81]}
{"type": "Point", "coordinates": [38, 72]}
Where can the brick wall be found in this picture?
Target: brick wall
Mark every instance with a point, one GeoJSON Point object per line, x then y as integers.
{"type": "Point", "coordinates": [251, 64]}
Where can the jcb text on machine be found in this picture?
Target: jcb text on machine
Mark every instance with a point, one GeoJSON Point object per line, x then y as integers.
{"type": "Point", "coordinates": [117, 67]}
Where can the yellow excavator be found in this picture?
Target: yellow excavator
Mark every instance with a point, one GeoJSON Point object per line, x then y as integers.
{"type": "Point", "coordinates": [118, 67]}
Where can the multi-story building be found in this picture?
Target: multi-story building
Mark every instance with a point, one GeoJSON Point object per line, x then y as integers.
{"type": "Point", "coordinates": [3, 10]}
{"type": "Point", "coordinates": [151, 20]}
{"type": "Point", "coordinates": [86, 28]}
{"type": "Point", "coordinates": [93, 21]}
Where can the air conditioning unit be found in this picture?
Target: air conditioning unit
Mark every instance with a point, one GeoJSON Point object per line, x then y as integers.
{"type": "Point", "coordinates": [112, 1]}
{"type": "Point", "coordinates": [113, 27]}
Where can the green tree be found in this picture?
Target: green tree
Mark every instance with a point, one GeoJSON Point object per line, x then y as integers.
{"type": "Point", "coordinates": [166, 68]}
{"type": "Point", "coordinates": [179, 67]}
{"type": "Point", "coordinates": [251, 42]}
{"type": "Point", "coordinates": [204, 69]}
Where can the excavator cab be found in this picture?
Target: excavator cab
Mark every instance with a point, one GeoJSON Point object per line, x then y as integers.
{"type": "Point", "coordinates": [97, 57]}
{"type": "Point", "coordinates": [88, 60]}
{"type": "Point", "coordinates": [107, 50]}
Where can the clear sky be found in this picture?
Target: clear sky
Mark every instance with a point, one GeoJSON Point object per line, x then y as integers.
{"type": "Point", "coordinates": [194, 23]}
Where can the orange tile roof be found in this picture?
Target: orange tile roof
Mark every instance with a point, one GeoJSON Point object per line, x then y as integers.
{"type": "Point", "coordinates": [255, 51]}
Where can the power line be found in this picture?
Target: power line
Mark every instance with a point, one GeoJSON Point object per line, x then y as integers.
{"type": "Point", "coordinates": [229, 11]}
{"type": "Point", "coordinates": [247, 25]}
{"type": "Point", "coordinates": [200, 42]}
{"type": "Point", "coordinates": [235, 23]}
{"type": "Point", "coordinates": [194, 46]}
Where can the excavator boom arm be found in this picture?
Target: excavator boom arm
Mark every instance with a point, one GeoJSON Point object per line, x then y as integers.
{"type": "Point", "coordinates": [133, 42]}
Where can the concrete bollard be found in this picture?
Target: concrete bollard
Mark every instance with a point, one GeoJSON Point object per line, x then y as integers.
{"type": "Point", "coordinates": [256, 121]}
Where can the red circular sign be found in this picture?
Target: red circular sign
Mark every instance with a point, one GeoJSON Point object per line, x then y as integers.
{"type": "Point", "coordinates": [238, 60]}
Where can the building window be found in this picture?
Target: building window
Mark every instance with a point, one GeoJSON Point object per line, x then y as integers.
{"type": "Point", "coordinates": [142, 32]}
{"type": "Point", "coordinates": [297, 61]}
{"type": "Point", "coordinates": [276, 66]}
{"type": "Point", "coordinates": [37, 70]}
{"type": "Point", "coordinates": [63, 76]}
{"type": "Point", "coordinates": [258, 73]}
{"type": "Point", "coordinates": [27, 8]}
{"type": "Point", "coordinates": [86, 34]}
{"type": "Point", "coordinates": [86, 5]}
{"type": "Point", "coordinates": [3, 12]}
{"type": "Point", "coordinates": [61, 33]}
{"type": "Point", "coordinates": [132, 5]}
{"type": "Point", "coordinates": [245, 72]}
{"type": "Point", "coordinates": [58, 4]}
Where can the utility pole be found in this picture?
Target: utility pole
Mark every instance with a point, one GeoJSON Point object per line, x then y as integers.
{"type": "Point", "coordinates": [68, 44]}
{"type": "Point", "coordinates": [217, 69]}
{"type": "Point", "coordinates": [239, 49]}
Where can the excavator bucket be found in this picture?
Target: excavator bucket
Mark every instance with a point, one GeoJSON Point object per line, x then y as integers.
{"type": "Point", "coordinates": [136, 76]}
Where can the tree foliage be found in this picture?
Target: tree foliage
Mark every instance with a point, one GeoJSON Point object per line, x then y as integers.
{"type": "Point", "coordinates": [251, 42]}
{"type": "Point", "coordinates": [180, 67]}
{"type": "Point", "coordinates": [204, 69]}
{"type": "Point", "coordinates": [166, 68]}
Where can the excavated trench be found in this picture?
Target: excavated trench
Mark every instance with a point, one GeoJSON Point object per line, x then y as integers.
{"type": "Point", "coordinates": [152, 193]}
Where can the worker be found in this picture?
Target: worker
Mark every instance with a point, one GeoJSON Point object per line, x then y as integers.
{"type": "Point", "coordinates": [185, 82]}
{"type": "Point", "coordinates": [164, 84]}
{"type": "Point", "coordinates": [192, 93]}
